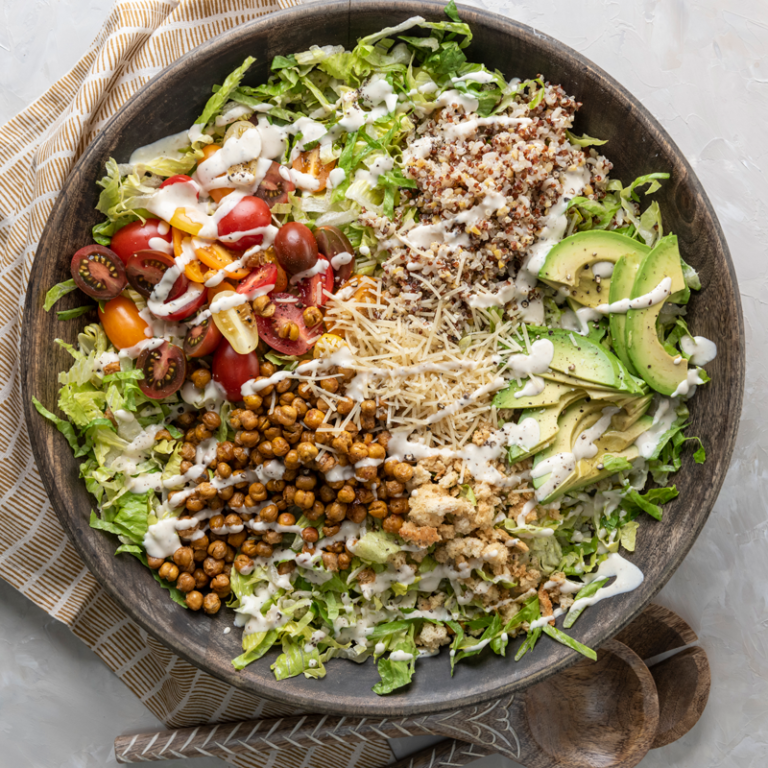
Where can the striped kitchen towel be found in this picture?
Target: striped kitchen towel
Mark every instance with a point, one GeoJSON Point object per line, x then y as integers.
{"type": "Point", "coordinates": [38, 149]}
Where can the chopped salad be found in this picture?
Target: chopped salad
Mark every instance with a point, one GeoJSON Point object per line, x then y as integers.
{"type": "Point", "coordinates": [381, 356]}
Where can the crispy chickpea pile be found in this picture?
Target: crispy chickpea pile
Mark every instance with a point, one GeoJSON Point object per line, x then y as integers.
{"type": "Point", "coordinates": [297, 423]}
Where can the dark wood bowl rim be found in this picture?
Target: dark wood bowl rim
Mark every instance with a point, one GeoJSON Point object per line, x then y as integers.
{"type": "Point", "coordinates": [322, 700]}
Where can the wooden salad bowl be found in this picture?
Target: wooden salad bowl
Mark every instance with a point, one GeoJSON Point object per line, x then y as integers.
{"type": "Point", "coordinates": [636, 145]}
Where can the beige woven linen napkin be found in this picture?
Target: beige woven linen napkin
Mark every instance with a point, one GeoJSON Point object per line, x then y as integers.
{"type": "Point", "coordinates": [38, 148]}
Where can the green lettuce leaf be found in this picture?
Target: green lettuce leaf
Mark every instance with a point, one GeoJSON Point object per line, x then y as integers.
{"type": "Point", "coordinates": [222, 94]}
{"type": "Point", "coordinates": [584, 141]}
{"type": "Point", "coordinates": [58, 291]}
{"type": "Point", "coordinates": [561, 637]}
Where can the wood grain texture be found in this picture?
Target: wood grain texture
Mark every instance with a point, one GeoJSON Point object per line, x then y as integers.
{"type": "Point", "coordinates": [656, 630]}
{"type": "Point", "coordinates": [613, 700]}
{"type": "Point", "coordinates": [683, 682]}
{"type": "Point", "coordinates": [637, 144]}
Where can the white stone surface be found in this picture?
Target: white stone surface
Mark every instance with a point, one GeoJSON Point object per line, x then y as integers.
{"type": "Point", "coordinates": [701, 68]}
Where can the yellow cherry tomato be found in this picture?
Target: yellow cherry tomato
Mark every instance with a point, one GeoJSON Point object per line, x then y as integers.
{"type": "Point", "coordinates": [327, 344]}
{"type": "Point", "coordinates": [217, 194]}
{"type": "Point", "coordinates": [197, 272]}
{"type": "Point", "coordinates": [237, 323]}
{"type": "Point", "coordinates": [216, 256]}
{"type": "Point", "coordinates": [224, 285]}
{"type": "Point", "coordinates": [182, 220]}
{"type": "Point", "coordinates": [121, 322]}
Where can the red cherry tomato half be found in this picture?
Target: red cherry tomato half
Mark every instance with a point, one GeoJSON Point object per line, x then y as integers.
{"type": "Point", "coordinates": [164, 368]}
{"type": "Point", "coordinates": [197, 297]}
{"type": "Point", "coordinates": [145, 269]}
{"type": "Point", "coordinates": [311, 290]}
{"type": "Point", "coordinates": [295, 247]}
{"type": "Point", "coordinates": [261, 278]}
{"type": "Point", "coordinates": [274, 188]}
{"type": "Point", "coordinates": [202, 339]}
{"type": "Point", "coordinates": [287, 310]}
{"type": "Point", "coordinates": [178, 179]}
{"type": "Point", "coordinates": [98, 272]}
{"type": "Point", "coordinates": [140, 237]}
{"type": "Point", "coordinates": [231, 371]}
{"type": "Point", "coordinates": [250, 213]}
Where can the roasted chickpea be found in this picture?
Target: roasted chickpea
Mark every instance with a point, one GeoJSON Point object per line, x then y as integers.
{"type": "Point", "coordinates": [286, 415]}
{"type": "Point", "coordinates": [194, 600]}
{"type": "Point", "coordinates": [225, 494]}
{"type": "Point", "coordinates": [257, 492]}
{"type": "Point", "coordinates": [154, 562]}
{"type": "Point", "coordinates": [280, 446]}
{"type": "Point", "coordinates": [285, 568]}
{"type": "Point", "coordinates": [183, 557]}
{"type": "Point", "coordinates": [306, 452]}
{"type": "Point", "coordinates": [286, 519]}
{"type": "Point", "coordinates": [273, 537]}
{"type": "Point", "coordinates": [269, 514]}
{"type": "Point", "coordinates": [378, 509]}
{"type": "Point", "coordinates": [292, 460]}
{"type": "Point", "coordinates": [331, 561]}
{"type": "Point", "coordinates": [212, 420]}
{"type": "Point", "coordinates": [220, 585]}
{"type": "Point", "coordinates": [326, 463]}
{"type": "Point", "coordinates": [200, 577]}
{"type": "Point", "coordinates": [188, 452]}
{"type": "Point", "coordinates": [317, 511]}
{"type": "Point", "coordinates": [394, 488]}
{"type": "Point", "coordinates": [398, 506]}
{"type": "Point", "coordinates": [249, 420]}
{"type": "Point", "coordinates": [169, 571]}
{"type": "Point", "coordinates": [263, 549]}
{"type": "Point", "coordinates": [237, 500]}
{"type": "Point", "coordinates": [185, 582]}
{"type": "Point", "coordinates": [344, 561]}
{"type": "Point", "coordinates": [314, 418]}
{"type": "Point", "coordinates": [249, 547]}
{"type": "Point", "coordinates": [368, 407]}
{"type": "Point", "coordinates": [216, 522]}
{"type": "Point", "coordinates": [243, 563]}
{"type": "Point", "coordinates": [389, 467]}
{"type": "Point", "coordinates": [199, 555]}
{"type": "Point", "coordinates": [403, 472]}
{"type": "Point", "coordinates": [358, 452]}
{"type": "Point", "coordinates": [357, 513]}
{"type": "Point", "coordinates": [194, 504]}
{"type": "Point", "coordinates": [345, 406]}
{"type": "Point", "coordinates": [306, 482]}
{"type": "Point", "coordinates": [392, 523]}
{"type": "Point", "coordinates": [212, 566]}
{"type": "Point", "coordinates": [342, 442]}
{"type": "Point", "coordinates": [346, 494]}
{"type": "Point", "coordinates": [310, 535]}
{"type": "Point", "coordinates": [225, 451]}
{"type": "Point", "coordinates": [211, 603]}
{"type": "Point", "coordinates": [201, 377]}
{"type": "Point", "coordinates": [376, 451]}
{"type": "Point", "coordinates": [331, 530]}
{"type": "Point", "coordinates": [202, 432]}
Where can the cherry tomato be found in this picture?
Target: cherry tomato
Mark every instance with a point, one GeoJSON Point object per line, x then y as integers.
{"type": "Point", "coordinates": [274, 188]}
{"type": "Point", "coordinates": [98, 272]}
{"type": "Point", "coordinates": [139, 237]}
{"type": "Point", "coordinates": [237, 323]}
{"type": "Point", "coordinates": [287, 313]}
{"type": "Point", "coordinates": [217, 194]}
{"type": "Point", "coordinates": [186, 304]}
{"type": "Point", "coordinates": [312, 290]}
{"type": "Point", "coordinates": [122, 324]}
{"type": "Point", "coordinates": [164, 368]}
{"type": "Point", "coordinates": [231, 370]}
{"type": "Point", "coordinates": [309, 162]}
{"type": "Point", "coordinates": [202, 339]}
{"type": "Point", "coordinates": [332, 242]}
{"type": "Point", "coordinates": [145, 269]}
{"type": "Point", "coordinates": [295, 247]}
{"type": "Point", "coordinates": [178, 179]}
{"type": "Point", "coordinates": [250, 213]}
{"type": "Point", "coordinates": [260, 279]}
{"type": "Point", "coordinates": [197, 272]}
{"type": "Point", "coordinates": [216, 256]}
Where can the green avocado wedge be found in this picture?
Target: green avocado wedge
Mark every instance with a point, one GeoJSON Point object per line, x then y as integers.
{"type": "Point", "coordinates": [552, 393]}
{"type": "Point", "coordinates": [585, 359]}
{"type": "Point", "coordinates": [565, 262]}
{"type": "Point", "coordinates": [644, 347]}
{"type": "Point", "coordinates": [622, 282]}
{"type": "Point", "coordinates": [589, 291]}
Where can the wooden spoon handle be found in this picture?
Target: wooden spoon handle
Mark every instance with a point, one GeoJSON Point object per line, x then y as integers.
{"type": "Point", "coordinates": [263, 735]}
{"type": "Point", "coordinates": [445, 754]}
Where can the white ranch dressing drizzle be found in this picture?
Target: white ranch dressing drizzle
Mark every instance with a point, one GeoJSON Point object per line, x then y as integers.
{"type": "Point", "coordinates": [622, 306]}
{"type": "Point", "coordinates": [402, 656]}
{"type": "Point", "coordinates": [559, 467]}
{"type": "Point", "coordinates": [538, 361]}
{"type": "Point", "coordinates": [161, 539]}
{"type": "Point", "coordinates": [700, 350]}
{"type": "Point", "coordinates": [475, 77]}
{"type": "Point", "coordinates": [584, 446]}
{"type": "Point", "coordinates": [340, 259]}
{"type": "Point", "coordinates": [687, 387]}
{"type": "Point", "coordinates": [628, 578]}
{"type": "Point", "coordinates": [336, 177]}
{"type": "Point", "coordinates": [160, 244]}
{"type": "Point", "coordinates": [320, 268]}
{"type": "Point", "coordinates": [663, 419]}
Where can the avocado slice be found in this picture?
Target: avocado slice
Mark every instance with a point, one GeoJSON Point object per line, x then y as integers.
{"type": "Point", "coordinates": [573, 421]}
{"type": "Point", "coordinates": [615, 440]}
{"type": "Point", "coordinates": [622, 282]}
{"type": "Point", "coordinates": [589, 292]}
{"type": "Point", "coordinates": [644, 347]}
{"type": "Point", "coordinates": [547, 419]}
{"type": "Point", "coordinates": [631, 412]}
{"type": "Point", "coordinates": [565, 261]}
{"type": "Point", "coordinates": [586, 473]}
{"type": "Point", "coordinates": [582, 358]}
{"type": "Point", "coordinates": [552, 393]}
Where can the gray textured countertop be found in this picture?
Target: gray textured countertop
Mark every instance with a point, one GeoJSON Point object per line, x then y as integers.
{"type": "Point", "coordinates": [701, 69]}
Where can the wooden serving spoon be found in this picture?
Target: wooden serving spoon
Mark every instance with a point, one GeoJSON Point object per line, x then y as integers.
{"type": "Point", "coordinates": [613, 700]}
{"type": "Point", "coordinates": [682, 683]}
